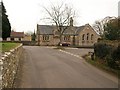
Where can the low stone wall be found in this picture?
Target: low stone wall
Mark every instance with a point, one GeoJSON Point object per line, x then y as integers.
{"type": "Point", "coordinates": [8, 67]}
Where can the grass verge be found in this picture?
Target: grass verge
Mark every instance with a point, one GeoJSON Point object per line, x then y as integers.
{"type": "Point", "coordinates": [60, 47]}
{"type": "Point", "coordinates": [7, 46]}
{"type": "Point", "coordinates": [102, 66]}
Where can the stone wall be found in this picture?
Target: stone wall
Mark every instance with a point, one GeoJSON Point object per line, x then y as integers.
{"type": "Point", "coordinates": [9, 63]}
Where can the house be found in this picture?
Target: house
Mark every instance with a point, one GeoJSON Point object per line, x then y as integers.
{"type": "Point", "coordinates": [19, 36]}
{"type": "Point", "coordinates": [16, 36]}
{"type": "Point", "coordinates": [81, 36]}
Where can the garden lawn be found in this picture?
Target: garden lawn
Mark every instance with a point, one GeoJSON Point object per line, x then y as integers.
{"type": "Point", "coordinates": [7, 46]}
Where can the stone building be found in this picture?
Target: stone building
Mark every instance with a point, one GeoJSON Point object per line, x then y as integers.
{"type": "Point", "coordinates": [80, 36]}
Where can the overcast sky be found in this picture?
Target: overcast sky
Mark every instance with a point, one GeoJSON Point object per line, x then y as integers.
{"type": "Point", "coordinates": [25, 14]}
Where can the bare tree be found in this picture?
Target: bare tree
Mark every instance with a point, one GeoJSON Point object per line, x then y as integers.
{"type": "Point", "coordinates": [99, 27]}
{"type": "Point", "coordinates": [99, 24]}
{"type": "Point", "coordinates": [60, 15]}
{"type": "Point", "coordinates": [29, 32]}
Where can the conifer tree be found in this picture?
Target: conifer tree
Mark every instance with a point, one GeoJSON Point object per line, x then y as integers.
{"type": "Point", "coordinates": [6, 27]}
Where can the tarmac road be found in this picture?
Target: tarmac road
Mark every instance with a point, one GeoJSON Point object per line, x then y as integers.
{"type": "Point", "coordinates": [50, 68]}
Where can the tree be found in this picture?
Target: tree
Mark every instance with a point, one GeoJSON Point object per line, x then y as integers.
{"type": "Point", "coordinates": [33, 36]}
{"type": "Point", "coordinates": [6, 27]}
{"type": "Point", "coordinates": [60, 15]}
{"type": "Point", "coordinates": [99, 24]}
{"type": "Point", "coordinates": [29, 32]}
{"type": "Point", "coordinates": [112, 30]}
{"type": "Point", "coordinates": [99, 27]}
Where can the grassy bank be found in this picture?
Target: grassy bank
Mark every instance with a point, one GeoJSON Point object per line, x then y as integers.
{"type": "Point", "coordinates": [7, 46]}
{"type": "Point", "coordinates": [101, 65]}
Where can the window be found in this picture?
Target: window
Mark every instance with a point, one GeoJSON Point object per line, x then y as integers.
{"type": "Point", "coordinates": [19, 39]}
{"type": "Point", "coordinates": [83, 37]}
{"type": "Point", "coordinates": [45, 37]}
{"type": "Point", "coordinates": [12, 39]}
{"type": "Point", "coordinates": [67, 38]}
{"type": "Point", "coordinates": [92, 37]}
{"type": "Point", "coordinates": [87, 36]}
{"type": "Point", "coordinates": [64, 38]}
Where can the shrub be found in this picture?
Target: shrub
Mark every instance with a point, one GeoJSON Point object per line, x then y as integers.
{"type": "Point", "coordinates": [109, 53]}
{"type": "Point", "coordinates": [102, 50]}
{"type": "Point", "coordinates": [111, 62]}
{"type": "Point", "coordinates": [116, 57]}
{"type": "Point", "coordinates": [116, 54]}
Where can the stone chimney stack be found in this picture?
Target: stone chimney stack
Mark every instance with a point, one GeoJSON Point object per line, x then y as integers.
{"type": "Point", "coordinates": [71, 21]}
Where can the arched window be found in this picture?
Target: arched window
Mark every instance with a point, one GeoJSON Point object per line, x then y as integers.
{"type": "Point", "coordinates": [92, 37]}
{"type": "Point", "coordinates": [45, 37]}
{"type": "Point", "coordinates": [83, 37]}
{"type": "Point", "coordinates": [64, 38]}
{"type": "Point", "coordinates": [67, 38]}
{"type": "Point", "coordinates": [87, 36]}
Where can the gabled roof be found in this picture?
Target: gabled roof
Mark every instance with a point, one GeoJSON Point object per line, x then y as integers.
{"type": "Point", "coordinates": [48, 29]}
{"type": "Point", "coordinates": [69, 31]}
{"type": "Point", "coordinates": [78, 29]}
{"type": "Point", "coordinates": [17, 34]}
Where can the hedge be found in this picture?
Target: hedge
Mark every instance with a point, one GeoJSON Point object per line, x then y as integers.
{"type": "Point", "coordinates": [109, 53]}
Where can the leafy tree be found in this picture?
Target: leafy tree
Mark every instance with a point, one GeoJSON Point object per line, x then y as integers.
{"type": "Point", "coordinates": [33, 36]}
{"type": "Point", "coordinates": [6, 27]}
{"type": "Point", "coordinates": [112, 30]}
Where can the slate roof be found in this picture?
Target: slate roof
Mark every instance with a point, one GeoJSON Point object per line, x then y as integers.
{"type": "Point", "coordinates": [48, 29]}
{"type": "Point", "coordinates": [68, 31]}
{"type": "Point", "coordinates": [17, 34]}
{"type": "Point", "coordinates": [79, 29]}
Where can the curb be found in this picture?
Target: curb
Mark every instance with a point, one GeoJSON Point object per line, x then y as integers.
{"type": "Point", "coordinates": [71, 54]}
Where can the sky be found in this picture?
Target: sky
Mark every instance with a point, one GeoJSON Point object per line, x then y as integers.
{"type": "Point", "coordinates": [24, 15]}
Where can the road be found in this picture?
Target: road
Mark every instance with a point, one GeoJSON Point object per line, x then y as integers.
{"type": "Point", "coordinates": [46, 67]}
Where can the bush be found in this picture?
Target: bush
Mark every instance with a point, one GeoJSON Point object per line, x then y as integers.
{"type": "Point", "coordinates": [116, 54]}
{"type": "Point", "coordinates": [101, 50]}
{"type": "Point", "coordinates": [116, 57]}
{"type": "Point", "coordinates": [111, 62]}
{"type": "Point", "coordinates": [109, 53]}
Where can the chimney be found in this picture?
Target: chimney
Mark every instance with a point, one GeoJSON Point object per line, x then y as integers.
{"type": "Point", "coordinates": [71, 21]}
